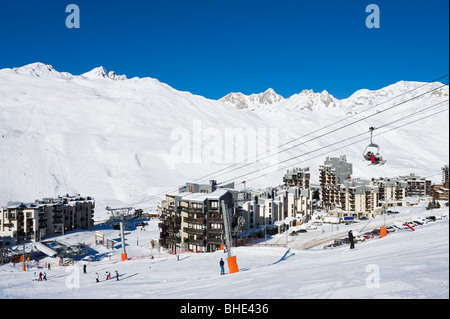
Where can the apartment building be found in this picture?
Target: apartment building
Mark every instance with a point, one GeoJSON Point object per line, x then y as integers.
{"type": "Point", "coordinates": [359, 196]}
{"type": "Point", "coordinates": [285, 204]}
{"type": "Point", "coordinates": [390, 189]}
{"type": "Point", "coordinates": [195, 221]}
{"type": "Point", "coordinates": [445, 174]}
{"type": "Point", "coordinates": [49, 216]}
{"type": "Point", "coordinates": [297, 177]}
{"type": "Point", "coordinates": [416, 186]}
{"type": "Point", "coordinates": [333, 173]}
{"type": "Point", "coordinates": [440, 192]}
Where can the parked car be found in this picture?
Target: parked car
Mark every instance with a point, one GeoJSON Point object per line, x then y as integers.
{"type": "Point", "coordinates": [411, 223]}
{"type": "Point", "coordinates": [392, 229]}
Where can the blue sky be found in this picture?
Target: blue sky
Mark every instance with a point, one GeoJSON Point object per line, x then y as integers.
{"type": "Point", "coordinates": [213, 47]}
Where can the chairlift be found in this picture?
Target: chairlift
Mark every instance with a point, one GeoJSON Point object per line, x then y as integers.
{"type": "Point", "coordinates": [372, 151]}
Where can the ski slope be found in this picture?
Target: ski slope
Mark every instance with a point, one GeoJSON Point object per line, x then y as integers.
{"type": "Point", "coordinates": [404, 264]}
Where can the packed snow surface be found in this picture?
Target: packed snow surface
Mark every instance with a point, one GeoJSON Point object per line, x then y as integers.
{"type": "Point", "coordinates": [405, 264]}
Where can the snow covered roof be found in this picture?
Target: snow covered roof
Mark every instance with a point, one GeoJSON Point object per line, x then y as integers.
{"type": "Point", "coordinates": [200, 197]}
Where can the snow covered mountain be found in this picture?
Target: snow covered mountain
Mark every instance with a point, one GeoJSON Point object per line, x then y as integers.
{"type": "Point", "coordinates": [310, 100]}
{"type": "Point", "coordinates": [242, 101]}
{"type": "Point", "coordinates": [122, 140]}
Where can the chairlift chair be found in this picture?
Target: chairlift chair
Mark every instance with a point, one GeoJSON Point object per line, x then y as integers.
{"type": "Point", "coordinates": [373, 150]}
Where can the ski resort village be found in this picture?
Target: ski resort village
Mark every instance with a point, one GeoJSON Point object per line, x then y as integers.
{"type": "Point", "coordinates": [276, 240]}
{"type": "Point", "coordinates": [118, 188]}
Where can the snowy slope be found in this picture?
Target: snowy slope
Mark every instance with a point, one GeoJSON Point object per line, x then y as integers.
{"type": "Point", "coordinates": [121, 140]}
{"type": "Point", "coordinates": [404, 264]}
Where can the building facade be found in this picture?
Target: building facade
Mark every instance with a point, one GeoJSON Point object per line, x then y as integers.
{"type": "Point", "coordinates": [49, 216]}
{"type": "Point", "coordinates": [195, 221]}
{"type": "Point", "coordinates": [358, 195]}
{"type": "Point", "coordinates": [333, 173]}
{"type": "Point", "coordinates": [297, 177]}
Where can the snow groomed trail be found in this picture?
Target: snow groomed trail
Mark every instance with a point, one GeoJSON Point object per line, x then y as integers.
{"type": "Point", "coordinates": [404, 264]}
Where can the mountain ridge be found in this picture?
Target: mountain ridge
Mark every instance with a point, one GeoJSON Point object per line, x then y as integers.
{"type": "Point", "coordinates": [121, 141]}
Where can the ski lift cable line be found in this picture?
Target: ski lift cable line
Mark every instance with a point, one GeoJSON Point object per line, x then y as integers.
{"type": "Point", "coordinates": [157, 196]}
{"type": "Point", "coordinates": [324, 134]}
{"type": "Point", "coordinates": [364, 139]}
{"type": "Point", "coordinates": [324, 147]}
{"type": "Point", "coordinates": [334, 130]}
{"type": "Point", "coordinates": [339, 148]}
{"type": "Point", "coordinates": [308, 134]}
{"type": "Point", "coordinates": [347, 145]}
{"type": "Point", "coordinates": [317, 137]}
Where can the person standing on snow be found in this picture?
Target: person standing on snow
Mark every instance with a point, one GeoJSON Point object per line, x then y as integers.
{"type": "Point", "coordinates": [352, 239]}
{"type": "Point", "coordinates": [222, 269]}
{"type": "Point", "coordinates": [96, 277]}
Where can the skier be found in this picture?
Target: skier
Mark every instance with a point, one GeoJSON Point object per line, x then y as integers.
{"type": "Point", "coordinates": [117, 275]}
{"type": "Point", "coordinates": [108, 275]}
{"type": "Point", "coordinates": [34, 277]}
{"type": "Point", "coordinates": [96, 277]}
{"type": "Point", "coordinates": [222, 269]}
{"type": "Point", "coordinates": [84, 268]}
{"type": "Point", "coordinates": [352, 239]}
{"type": "Point", "coordinates": [40, 276]}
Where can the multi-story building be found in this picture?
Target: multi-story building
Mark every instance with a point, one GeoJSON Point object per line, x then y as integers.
{"type": "Point", "coordinates": [298, 177]}
{"type": "Point", "coordinates": [195, 221]}
{"type": "Point", "coordinates": [445, 174]}
{"type": "Point", "coordinates": [333, 173]}
{"type": "Point", "coordinates": [416, 186]}
{"type": "Point", "coordinates": [440, 192]}
{"type": "Point", "coordinates": [390, 189]}
{"type": "Point", "coordinates": [359, 196]}
{"type": "Point", "coordinates": [49, 216]}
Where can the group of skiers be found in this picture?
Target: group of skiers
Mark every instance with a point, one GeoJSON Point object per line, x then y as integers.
{"type": "Point", "coordinates": [42, 276]}
{"type": "Point", "coordinates": [108, 276]}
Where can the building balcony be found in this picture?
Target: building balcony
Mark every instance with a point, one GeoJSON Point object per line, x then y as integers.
{"type": "Point", "coordinates": [215, 219]}
{"type": "Point", "coordinates": [198, 242]}
{"type": "Point", "coordinates": [214, 241]}
{"type": "Point", "coordinates": [194, 231]}
{"type": "Point", "coordinates": [197, 221]}
{"type": "Point", "coordinates": [194, 210]}
{"type": "Point", "coordinates": [217, 231]}
{"type": "Point", "coordinates": [172, 240]}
